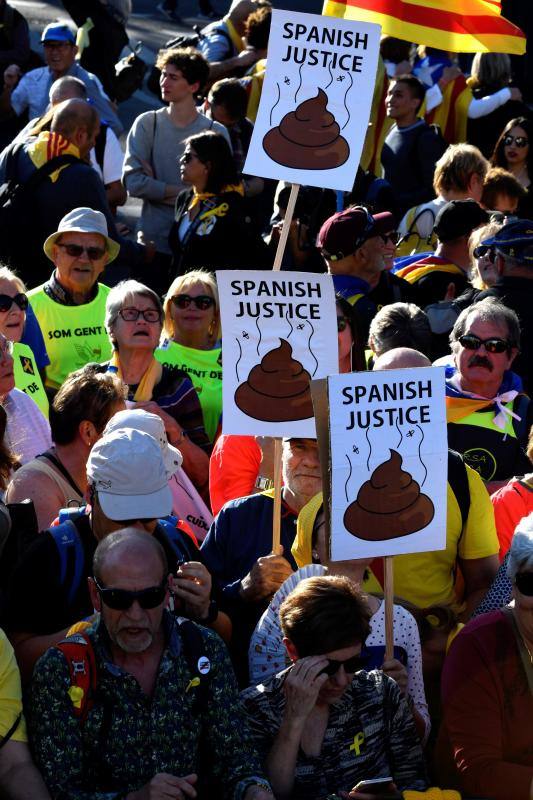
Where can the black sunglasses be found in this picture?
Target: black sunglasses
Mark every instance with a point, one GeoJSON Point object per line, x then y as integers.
{"type": "Point", "coordinates": [6, 301]}
{"type": "Point", "coordinates": [492, 345]}
{"type": "Point", "coordinates": [524, 583]}
{"type": "Point", "coordinates": [76, 250]}
{"type": "Point", "coordinates": [342, 322]}
{"type": "Point", "coordinates": [520, 141]}
{"type": "Point", "coordinates": [122, 599]}
{"type": "Point", "coordinates": [394, 237]}
{"type": "Point", "coordinates": [202, 302]}
{"type": "Point", "coordinates": [351, 665]}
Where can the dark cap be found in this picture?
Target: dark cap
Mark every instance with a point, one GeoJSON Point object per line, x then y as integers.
{"type": "Point", "coordinates": [344, 232]}
{"type": "Point", "coordinates": [58, 33]}
{"type": "Point", "coordinates": [459, 218]}
{"type": "Point", "coordinates": [514, 239]}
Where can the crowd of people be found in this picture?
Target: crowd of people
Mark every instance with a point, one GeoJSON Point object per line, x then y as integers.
{"type": "Point", "coordinates": [153, 643]}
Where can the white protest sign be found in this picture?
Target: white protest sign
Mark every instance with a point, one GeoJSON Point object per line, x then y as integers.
{"type": "Point", "coordinates": [316, 99]}
{"type": "Point", "coordinates": [389, 452]}
{"type": "Point", "coordinates": [279, 330]}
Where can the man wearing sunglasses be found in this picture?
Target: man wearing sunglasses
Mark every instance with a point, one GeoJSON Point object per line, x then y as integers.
{"type": "Point", "coordinates": [352, 243]}
{"type": "Point", "coordinates": [158, 725]}
{"type": "Point", "coordinates": [70, 306]}
{"type": "Point", "coordinates": [512, 251]}
{"type": "Point", "coordinates": [324, 724]}
{"type": "Point", "coordinates": [488, 415]}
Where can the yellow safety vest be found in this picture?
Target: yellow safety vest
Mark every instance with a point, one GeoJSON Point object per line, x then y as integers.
{"type": "Point", "coordinates": [27, 376]}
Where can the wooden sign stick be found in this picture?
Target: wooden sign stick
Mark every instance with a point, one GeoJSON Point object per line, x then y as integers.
{"type": "Point", "coordinates": [389, 607]}
{"type": "Point", "coordinates": [276, 520]}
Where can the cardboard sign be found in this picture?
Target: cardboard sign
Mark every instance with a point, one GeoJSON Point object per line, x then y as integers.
{"type": "Point", "coordinates": [279, 331]}
{"type": "Point", "coordinates": [316, 99]}
{"type": "Point", "coordinates": [389, 452]}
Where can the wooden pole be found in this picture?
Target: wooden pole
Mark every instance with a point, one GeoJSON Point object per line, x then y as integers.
{"type": "Point", "coordinates": [389, 607]}
{"type": "Point", "coordinates": [285, 228]}
{"type": "Point", "coordinates": [276, 519]}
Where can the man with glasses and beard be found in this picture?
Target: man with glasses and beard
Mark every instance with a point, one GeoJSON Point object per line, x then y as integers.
{"type": "Point", "coordinates": [488, 415]}
{"type": "Point", "coordinates": [146, 732]}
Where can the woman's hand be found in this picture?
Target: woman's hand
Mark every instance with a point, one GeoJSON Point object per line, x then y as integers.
{"type": "Point", "coordinates": [302, 685]}
{"type": "Point", "coordinates": [396, 670]}
{"type": "Point", "coordinates": [173, 429]}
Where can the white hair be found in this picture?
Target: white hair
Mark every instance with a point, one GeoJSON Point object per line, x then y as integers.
{"type": "Point", "coordinates": [521, 550]}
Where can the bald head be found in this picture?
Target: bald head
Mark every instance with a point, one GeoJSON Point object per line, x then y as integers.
{"type": "Point", "coordinates": [127, 545]}
{"type": "Point", "coordinates": [72, 116]}
{"type": "Point", "coordinates": [401, 358]}
{"type": "Point", "coordinates": [67, 88]}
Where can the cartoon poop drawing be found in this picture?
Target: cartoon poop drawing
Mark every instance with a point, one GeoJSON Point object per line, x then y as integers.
{"type": "Point", "coordinates": [277, 389]}
{"type": "Point", "coordinates": [389, 504]}
{"type": "Point", "coordinates": [308, 138]}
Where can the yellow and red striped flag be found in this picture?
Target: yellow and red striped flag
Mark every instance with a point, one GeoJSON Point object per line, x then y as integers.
{"type": "Point", "coordinates": [457, 26]}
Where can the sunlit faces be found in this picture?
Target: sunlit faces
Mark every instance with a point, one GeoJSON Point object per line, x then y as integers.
{"type": "Point", "coordinates": [480, 366]}
{"type": "Point", "coordinates": [59, 56]}
{"type": "Point", "coordinates": [174, 87]}
{"type": "Point", "coordinates": [400, 102]}
{"type": "Point", "coordinates": [516, 146]}
{"type": "Point", "coordinates": [140, 333]}
{"type": "Point", "coordinates": [7, 377]}
{"type": "Point", "coordinates": [11, 320]}
{"type": "Point", "coordinates": [191, 316]}
{"type": "Point", "coordinates": [301, 467]}
{"type": "Point", "coordinates": [78, 273]}
{"type": "Point", "coordinates": [192, 170]}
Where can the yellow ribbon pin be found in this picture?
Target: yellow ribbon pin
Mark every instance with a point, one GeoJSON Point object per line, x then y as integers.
{"type": "Point", "coordinates": [76, 695]}
{"type": "Point", "coordinates": [358, 740]}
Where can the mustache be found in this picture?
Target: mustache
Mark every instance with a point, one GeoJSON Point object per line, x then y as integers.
{"type": "Point", "coordinates": [480, 361]}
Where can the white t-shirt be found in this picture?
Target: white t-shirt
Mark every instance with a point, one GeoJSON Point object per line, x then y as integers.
{"type": "Point", "coordinates": [27, 430]}
{"type": "Point", "coordinates": [113, 159]}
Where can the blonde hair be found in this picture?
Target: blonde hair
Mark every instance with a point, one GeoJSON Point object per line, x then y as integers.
{"type": "Point", "coordinates": [491, 69]}
{"type": "Point", "coordinates": [179, 285]}
{"type": "Point", "coordinates": [456, 166]}
{"type": "Point", "coordinates": [485, 232]}
{"type": "Point", "coordinates": [7, 274]}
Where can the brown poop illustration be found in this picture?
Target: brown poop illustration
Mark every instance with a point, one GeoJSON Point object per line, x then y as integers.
{"type": "Point", "coordinates": [389, 504]}
{"type": "Point", "coordinates": [308, 138]}
{"type": "Point", "coordinates": [277, 389]}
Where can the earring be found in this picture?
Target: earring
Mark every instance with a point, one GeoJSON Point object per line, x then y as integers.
{"type": "Point", "coordinates": [211, 328]}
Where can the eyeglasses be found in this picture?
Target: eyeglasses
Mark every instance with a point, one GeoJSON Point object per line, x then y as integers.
{"type": "Point", "coordinates": [394, 237]}
{"type": "Point", "coordinates": [6, 301]}
{"type": "Point", "coordinates": [188, 155]}
{"type": "Point", "coordinates": [202, 302]}
{"type": "Point", "coordinates": [76, 250]}
{"type": "Point", "coordinates": [524, 583]}
{"type": "Point", "coordinates": [122, 599]}
{"type": "Point", "coordinates": [485, 251]}
{"type": "Point", "coordinates": [493, 345]}
{"type": "Point", "coordinates": [351, 665]}
{"type": "Point", "coordinates": [520, 141]}
{"type": "Point", "coordinates": [342, 322]}
{"type": "Point", "coordinates": [132, 314]}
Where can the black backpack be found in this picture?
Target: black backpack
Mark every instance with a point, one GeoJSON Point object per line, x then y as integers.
{"type": "Point", "coordinates": [16, 208]}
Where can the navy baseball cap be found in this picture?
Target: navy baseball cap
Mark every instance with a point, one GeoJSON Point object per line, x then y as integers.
{"type": "Point", "coordinates": [58, 33]}
{"type": "Point", "coordinates": [514, 239]}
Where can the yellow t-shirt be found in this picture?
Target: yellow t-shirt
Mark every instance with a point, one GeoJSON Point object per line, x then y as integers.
{"type": "Point", "coordinates": [428, 578]}
{"type": "Point", "coordinates": [73, 335]}
{"type": "Point", "coordinates": [10, 692]}
{"type": "Point", "coordinates": [27, 376]}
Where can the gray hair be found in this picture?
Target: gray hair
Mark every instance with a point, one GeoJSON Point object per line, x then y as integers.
{"type": "Point", "coordinates": [400, 325]}
{"type": "Point", "coordinates": [521, 550]}
{"type": "Point", "coordinates": [66, 88]}
{"type": "Point", "coordinates": [490, 310]}
{"type": "Point", "coordinates": [122, 293]}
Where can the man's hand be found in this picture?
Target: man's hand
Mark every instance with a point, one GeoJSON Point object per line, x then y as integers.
{"type": "Point", "coordinates": [257, 793]}
{"type": "Point", "coordinates": [165, 787]}
{"type": "Point", "coordinates": [396, 670]}
{"type": "Point", "coordinates": [265, 578]}
{"type": "Point", "coordinates": [12, 75]}
{"type": "Point", "coordinates": [516, 94]}
{"type": "Point", "coordinates": [192, 584]}
{"type": "Point", "coordinates": [248, 58]}
{"type": "Point", "coordinates": [366, 796]}
{"type": "Point", "coordinates": [302, 685]}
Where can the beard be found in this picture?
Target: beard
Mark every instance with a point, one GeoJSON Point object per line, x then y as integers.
{"type": "Point", "coordinates": [132, 644]}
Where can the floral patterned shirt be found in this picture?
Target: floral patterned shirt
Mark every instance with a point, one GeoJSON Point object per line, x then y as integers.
{"type": "Point", "coordinates": [128, 737]}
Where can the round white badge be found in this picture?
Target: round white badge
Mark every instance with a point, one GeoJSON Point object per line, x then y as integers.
{"type": "Point", "coordinates": [204, 665]}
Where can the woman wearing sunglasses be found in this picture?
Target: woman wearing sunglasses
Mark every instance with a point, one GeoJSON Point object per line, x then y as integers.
{"type": "Point", "coordinates": [13, 306]}
{"type": "Point", "coordinates": [211, 229]}
{"type": "Point", "coordinates": [191, 328]}
{"type": "Point", "coordinates": [487, 690]}
{"type": "Point", "coordinates": [134, 321]}
{"type": "Point", "coordinates": [514, 152]}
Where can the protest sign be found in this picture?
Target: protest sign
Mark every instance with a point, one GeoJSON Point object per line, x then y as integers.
{"type": "Point", "coordinates": [388, 462]}
{"type": "Point", "coordinates": [279, 332]}
{"type": "Point", "coordinates": [316, 99]}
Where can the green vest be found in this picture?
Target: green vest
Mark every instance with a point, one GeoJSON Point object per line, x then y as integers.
{"type": "Point", "coordinates": [27, 377]}
{"type": "Point", "coordinates": [204, 368]}
{"type": "Point", "coordinates": [74, 335]}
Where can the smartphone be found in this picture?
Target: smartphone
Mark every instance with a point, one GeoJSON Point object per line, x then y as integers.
{"type": "Point", "coordinates": [375, 786]}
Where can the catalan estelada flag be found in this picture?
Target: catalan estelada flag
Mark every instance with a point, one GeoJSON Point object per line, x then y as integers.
{"type": "Point", "coordinates": [457, 26]}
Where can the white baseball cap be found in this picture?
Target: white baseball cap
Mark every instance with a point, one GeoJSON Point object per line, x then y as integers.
{"type": "Point", "coordinates": [128, 472]}
{"type": "Point", "coordinates": [140, 420]}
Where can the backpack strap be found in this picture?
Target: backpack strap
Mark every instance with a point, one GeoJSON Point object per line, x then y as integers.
{"type": "Point", "coordinates": [99, 147]}
{"type": "Point", "coordinates": [5, 739]}
{"type": "Point", "coordinates": [79, 655]}
{"type": "Point", "coordinates": [71, 556]}
{"type": "Point", "coordinates": [197, 661]}
{"type": "Point", "coordinates": [458, 480]}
